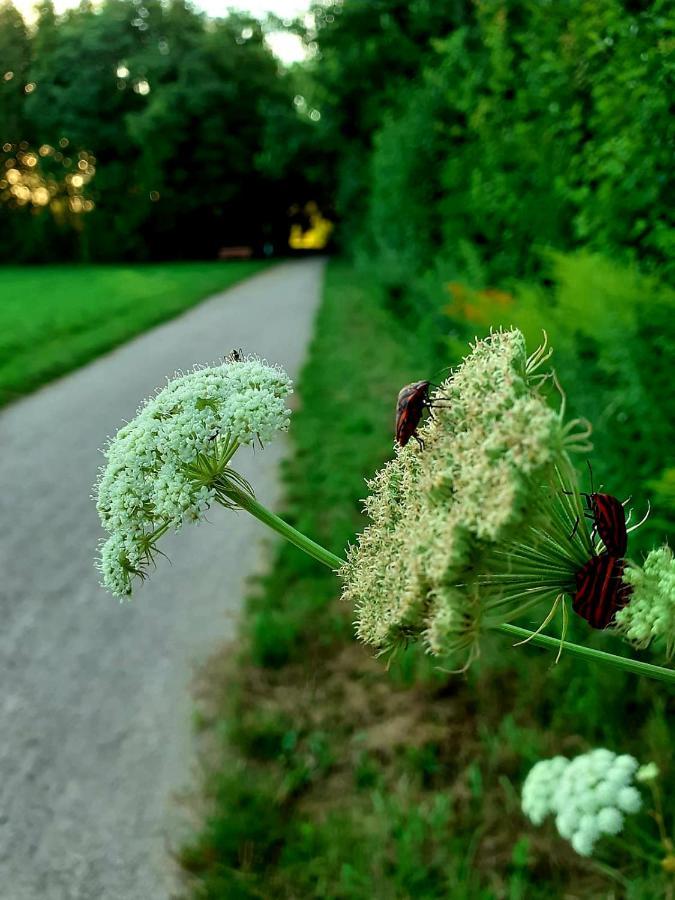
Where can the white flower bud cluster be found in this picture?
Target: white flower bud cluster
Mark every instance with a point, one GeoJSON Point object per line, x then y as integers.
{"type": "Point", "coordinates": [152, 480]}
{"type": "Point", "coordinates": [588, 795]}
{"type": "Point", "coordinates": [651, 611]}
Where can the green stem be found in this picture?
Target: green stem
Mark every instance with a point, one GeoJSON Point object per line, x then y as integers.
{"type": "Point", "coordinates": [250, 504]}
{"type": "Point", "coordinates": [300, 540]}
{"type": "Point", "coordinates": [591, 655]}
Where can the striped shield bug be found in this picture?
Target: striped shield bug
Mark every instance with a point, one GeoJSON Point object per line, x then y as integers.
{"type": "Point", "coordinates": [609, 520]}
{"type": "Point", "coordinates": [411, 403]}
{"type": "Point", "coordinates": [600, 593]}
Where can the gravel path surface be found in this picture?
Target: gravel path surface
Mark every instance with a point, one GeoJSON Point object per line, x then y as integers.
{"type": "Point", "coordinates": [95, 705]}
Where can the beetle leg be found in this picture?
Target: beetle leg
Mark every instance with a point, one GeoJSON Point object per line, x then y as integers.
{"type": "Point", "coordinates": [574, 530]}
{"type": "Point", "coordinates": [419, 440]}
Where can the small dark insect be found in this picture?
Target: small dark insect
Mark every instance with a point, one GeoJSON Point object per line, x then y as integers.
{"type": "Point", "coordinates": [411, 403]}
{"type": "Point", "coordinates": [600, 591]}
{"type": "Point", "coordinates": [235, 356]}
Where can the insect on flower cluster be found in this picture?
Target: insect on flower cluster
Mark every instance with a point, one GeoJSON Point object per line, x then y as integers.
{"type": "Point", "coordinates": [483, 520]}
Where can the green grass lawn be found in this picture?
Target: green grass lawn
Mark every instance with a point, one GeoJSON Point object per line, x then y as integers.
{"type": "Point", "coordinates": [56, 318]}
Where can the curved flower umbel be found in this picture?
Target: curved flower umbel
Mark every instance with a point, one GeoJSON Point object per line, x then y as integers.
{"type": "Point", "coordinates": [650, 615]}
{"type": "Point", "coordinates": [475, 529]}
{"type": "Point", "coordinates": [588, 795]}
{"type": "Point", "coordinates": [171, 461]}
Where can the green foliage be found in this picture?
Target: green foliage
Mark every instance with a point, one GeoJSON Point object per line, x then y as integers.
{"type": "Point", "coordinates": [15, 56]}
{"type": "Point", "coordinates": [77, 313]}
{"type": "Point", "coordinates": [497, 127]}
{"type": "Point", "coordinates": [181, 115]}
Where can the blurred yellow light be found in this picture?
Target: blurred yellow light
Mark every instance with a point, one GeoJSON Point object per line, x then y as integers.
{"type": "Point", "coordinates": [30, 159]}
{"type": "Point", "coordinates": [88, 205]}
{"type": "Point", "coordinates": [13, 176]}
{"type": "Point", "coordinates": [63, 142]}
{"type": "Point", "coordinates": [3, 183]}
{"type": "Point", "coordinates": [7, 147]}
{"type": "Point", "coordinates": [30, 87]}
{"type": "Point", "coordinates": [77, 181]}
{"type": "Point", "coordinates": [21, 192]}
{"type": "Point", "coordinates": [8, 76]}
{"type": "Point", "coordinates": [76, 204]}
{"type": "Point", "coordinates": [122, 72]}
{"type": "Point", "coordinates": [154, 196]}
{"type": "Point", "coordinates": [45, 150]}
{"type": "Point", "coordinates": [40, 196]}
{"type": "Point", "coordinates": [82, 165]}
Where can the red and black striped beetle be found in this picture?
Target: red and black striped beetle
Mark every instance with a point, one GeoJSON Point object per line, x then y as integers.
{"type": "Point", "coordinates": [609, 520]}
{"type": "Point", "coordinates": [411, 403]}
{"type": "Point", "coordinates": [600, 593]}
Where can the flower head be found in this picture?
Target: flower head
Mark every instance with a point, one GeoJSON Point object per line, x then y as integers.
{"type": "Point", "coordinates": [170, 462]}
{"type": "Point", "coordinates": [475, 528]}
{"type": "Point", "coordinates": [650, 614]}
{"type": "Point", "coordinates": [589, 795]}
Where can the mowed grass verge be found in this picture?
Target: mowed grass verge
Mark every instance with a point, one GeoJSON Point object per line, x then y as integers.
{"type": "Point", "coordinates": [56, 318]}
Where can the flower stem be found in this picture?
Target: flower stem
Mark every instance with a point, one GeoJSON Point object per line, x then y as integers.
{"type": "Point", "coordinates": [250, 504]}
{"type": "Point", "coordinates": [588, 653]}
{"type": "Point", "coordinates": [300, 540]}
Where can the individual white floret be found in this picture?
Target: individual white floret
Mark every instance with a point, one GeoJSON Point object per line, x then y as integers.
{"type": "Point", "coordinates": [582, 843]}
{"type": "Point", "coordinates": [648, 772]}
{"type": "Point", "coordinates": [610, 820]}
{"type": "Point", "coordinates": [629, 800]}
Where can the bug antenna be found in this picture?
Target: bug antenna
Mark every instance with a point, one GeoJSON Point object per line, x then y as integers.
{"type": "Point", "coordinates": [590, 469]}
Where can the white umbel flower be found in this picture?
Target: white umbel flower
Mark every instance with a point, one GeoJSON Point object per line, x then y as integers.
{"type": "Point", "coordinates": [170, 462]}
{"type": "Point", "coordinates": [589, 795]}
{"type": "Point", "coordinates": [650, 615]}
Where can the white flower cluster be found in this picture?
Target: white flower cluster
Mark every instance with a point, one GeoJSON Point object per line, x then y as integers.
{"type": "Point", "coordinates": [588, 795]}
{"type": "Point", "coordinates": [651, 611]}
{"type": "Point", "coordinates": [162, 466]}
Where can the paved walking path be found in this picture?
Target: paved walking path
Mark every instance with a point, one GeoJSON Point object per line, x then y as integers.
{"type": "Point", "coordinates": [95, 710]}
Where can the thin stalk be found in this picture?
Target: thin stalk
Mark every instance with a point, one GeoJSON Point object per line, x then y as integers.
{"type": "Point", "coordinates": [300, 540]}
{"type": "Point", "coordinates": [591, 655]}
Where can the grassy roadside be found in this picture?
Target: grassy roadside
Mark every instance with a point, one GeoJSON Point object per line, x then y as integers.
{"type": "Point", "coordinates": [56, 318]}
{"type": "Point", "coordinates": [332, 777]}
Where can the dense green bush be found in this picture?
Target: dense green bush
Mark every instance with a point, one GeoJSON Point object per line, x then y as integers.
{"type": "Point", "coordinates": [526, 124]}
{"type": "Point", "coordinates": [180, 117]}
